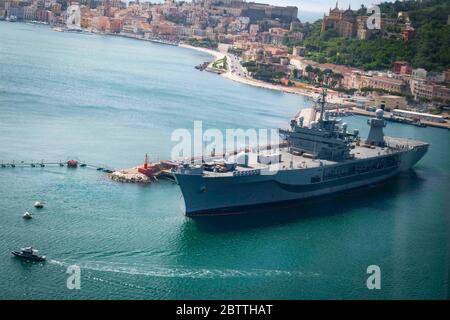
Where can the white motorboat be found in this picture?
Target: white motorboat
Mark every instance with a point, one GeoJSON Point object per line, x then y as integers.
{"type": "Point", "coordinates": [27, 215]}
{"type": "Point", "coordinates": [38, 204]}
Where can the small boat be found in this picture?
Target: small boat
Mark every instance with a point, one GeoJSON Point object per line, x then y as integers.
{"type": "Point", "coordinates": [99, 169]}
{"type": "Point", "coordinates": [28, 253]}
{"type": "Point", "coordinates": [38, 204]}
{"type": "Point", "coordinates": [83, 165]}
{"type": "Point", "coordinates": [74, 30]}
{"type": "Point", "coordinates": [27, 215]}
{"type": "Point", "coordinates": [419, 124]}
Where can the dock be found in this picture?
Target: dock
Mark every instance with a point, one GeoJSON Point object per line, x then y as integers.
{"type": "Point", "coordinates": [387, 116]}
{"type": "Point", "coordinates": [41, 164]}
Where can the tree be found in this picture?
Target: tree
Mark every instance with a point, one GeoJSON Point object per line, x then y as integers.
{"type": "Point", "coordinates": [264, 26]}
{"type": "Point", "coordinates": [429, 48]}
{"type": "Point", "coordinates": [308, 70]}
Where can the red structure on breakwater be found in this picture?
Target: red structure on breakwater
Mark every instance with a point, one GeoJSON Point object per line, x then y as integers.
{"type": "Point", "coordinates": [156, 168]}
{"type": "Point", "coordinates": [147, 169]}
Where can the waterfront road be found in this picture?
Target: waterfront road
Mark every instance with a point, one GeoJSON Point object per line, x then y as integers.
{"type": "Point", "coordinates": [234, 62]}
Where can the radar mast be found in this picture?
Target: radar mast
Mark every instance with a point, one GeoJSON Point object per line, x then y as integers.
{"type": "Point", "coordinates": [322, 101]}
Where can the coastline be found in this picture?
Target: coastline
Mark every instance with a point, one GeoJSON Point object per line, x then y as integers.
{"type": "Point", "coordinates": [309, 91]}
{"type": "Point", "coordinates": [258, 83]}
{"type": "Point", "coordinates": [234, 77]}
{"type": "Point", "coordinates": [365, 113]}
{"type": "Point", "coordinates": [216, 54]}
{"type": "Point", "coordinates": [332, 98]}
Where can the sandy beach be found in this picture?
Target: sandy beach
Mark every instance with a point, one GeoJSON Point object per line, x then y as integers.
{"type": "Point", "coordinates": [216, 54]}
{"type": "Point", "coordinates": [308, 91]}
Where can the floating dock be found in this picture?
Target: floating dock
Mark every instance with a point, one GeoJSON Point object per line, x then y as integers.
{"type": "Point", "coordinates": [69, 164]}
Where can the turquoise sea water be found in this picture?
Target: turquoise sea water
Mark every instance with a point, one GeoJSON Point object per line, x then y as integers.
{"type": "Point", "coordinates": [109, 100]}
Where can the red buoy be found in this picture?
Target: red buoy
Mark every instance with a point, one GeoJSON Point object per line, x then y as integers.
{"type": "Point", "coordinates": [72, 163]}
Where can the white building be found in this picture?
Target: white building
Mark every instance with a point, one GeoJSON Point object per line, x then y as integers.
{"type": "Point", "coordinates": [418, 115]}
{"type": "Point", "coordinates": [29, 12]}
{"type": "Point", "coordinates": [419, 74]}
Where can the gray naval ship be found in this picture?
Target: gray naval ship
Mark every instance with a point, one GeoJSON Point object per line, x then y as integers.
{"type": "Point", "coordinates": [320, 157]}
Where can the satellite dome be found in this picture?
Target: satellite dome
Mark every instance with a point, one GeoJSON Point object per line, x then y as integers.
{"type": "Point", "coordinates": [344, 127]}
{"type": "Point", "coordinates": [379, 113]}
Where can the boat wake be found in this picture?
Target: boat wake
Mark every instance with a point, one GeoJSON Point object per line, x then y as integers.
{"type": "Point", "coordinates": [180, 272]}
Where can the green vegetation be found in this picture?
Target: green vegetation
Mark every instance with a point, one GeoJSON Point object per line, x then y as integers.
{"type": "Point", "coordinates": [326, 78]}
{"type": "Point", "coordinates": [236, 51]}
{"type": "Point", "coordinates": [221, 64]}
{"type": "Point", "coordinates": [366, 54]}
{"type": "Point", "coordinates": [264, 26]}
{"type": "Point", "coordinates": [414, 7]}
{"type": "Point", "coordinates": [429, 49]}
{"type": "Point", "coordinates": [291, 43]}
{"type": "Point", "coordinates": [177, 19]}
{"type": "Point", "coordinates": [349, 92]}
{"type": "Point", "coordinates": [310, 30]}
{"type": "Point", "coordinates": [204, 43]}
{"type": "Point", "coordinates": [408, 96]}
{"type": "Point", "coordinates": [264, 72]}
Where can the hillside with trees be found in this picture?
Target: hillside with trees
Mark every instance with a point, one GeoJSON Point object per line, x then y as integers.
{"type": "Point", "coordinates": [429, 49]}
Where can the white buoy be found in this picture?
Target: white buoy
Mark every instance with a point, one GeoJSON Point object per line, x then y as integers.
{"type": "Point", "coordinates": [27, 215]}
{"type": "Point", "coordinates": [38, 204]}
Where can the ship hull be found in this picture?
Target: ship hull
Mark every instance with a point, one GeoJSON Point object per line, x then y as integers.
{"type": "Point", "coordinates": [225, 195]}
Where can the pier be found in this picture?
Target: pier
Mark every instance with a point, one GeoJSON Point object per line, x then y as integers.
{"type": "Point", "coordinates": [147, 173]}
{"type": "Point", "coordinates": [41, 164]}
{"type": "Point", "coordinates": [387, 116]}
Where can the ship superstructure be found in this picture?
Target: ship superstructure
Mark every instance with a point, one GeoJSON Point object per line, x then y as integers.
{"type": "Point", "coordinates": [322, 156]}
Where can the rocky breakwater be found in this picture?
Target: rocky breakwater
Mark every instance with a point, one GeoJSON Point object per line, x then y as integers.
{"type": "Point", "coordinates": [130, 176]}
